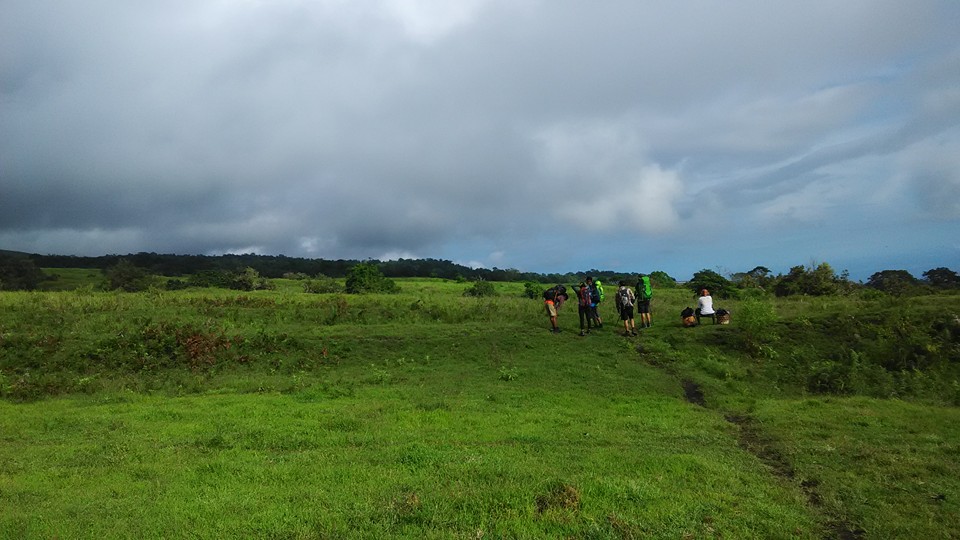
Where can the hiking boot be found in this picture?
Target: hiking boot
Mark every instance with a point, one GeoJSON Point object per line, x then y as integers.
{"type": "Point", "coordinates": [633, 333]}
{"type": "Point", "coordinates": [582, 333]}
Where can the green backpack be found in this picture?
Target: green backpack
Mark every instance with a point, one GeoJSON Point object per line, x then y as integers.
{"type": "Point", "coordinates": [644, 290]}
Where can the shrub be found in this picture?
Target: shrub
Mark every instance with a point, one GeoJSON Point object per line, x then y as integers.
{"type": "Point", "coordinates": [125, 276]}
{"type": "Point", "coordinates": [480, 288]}
{"type": "Point", "coordinates": [19, 273]}
{"type": "Point", "coordinates": [532, 290]}
{"type": "Point", "coordinates": [756, 320]}
{"type": "Point", "coordinates": [250, 280]}
{"type": "Point", "coordinates": [367, 278]}
{"type": "Point", "coordinates": [322, 284]}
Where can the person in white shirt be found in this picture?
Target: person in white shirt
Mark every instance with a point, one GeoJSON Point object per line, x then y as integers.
{"type": "Point", "coordinates": [705, 306]}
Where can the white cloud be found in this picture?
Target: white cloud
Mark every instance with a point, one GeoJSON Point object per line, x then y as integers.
{"type": "Point", "coordinates": [429, 20]}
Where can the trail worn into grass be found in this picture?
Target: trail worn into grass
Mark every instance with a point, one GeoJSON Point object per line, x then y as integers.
{"type": "Point", "coordinates": [752, 438]}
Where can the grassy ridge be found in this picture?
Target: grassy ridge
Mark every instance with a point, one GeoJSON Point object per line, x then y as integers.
{"type": "Point", "coordinates": [427, 414]}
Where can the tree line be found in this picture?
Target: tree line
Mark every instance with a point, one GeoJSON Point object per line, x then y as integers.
{"type": "Point", "coordinates": [22, 271]}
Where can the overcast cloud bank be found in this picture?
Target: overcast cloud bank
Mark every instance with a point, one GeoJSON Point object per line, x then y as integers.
{"type": "Point", "coordinates": [543, 136]}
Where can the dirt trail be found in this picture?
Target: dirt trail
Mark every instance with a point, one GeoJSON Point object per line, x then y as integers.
{"type": "Point", "coordinates": [753, 439]}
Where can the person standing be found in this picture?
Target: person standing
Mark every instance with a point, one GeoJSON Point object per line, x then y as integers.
{"type": "Point", "coordinates": [644, 295]}
{"type": "Point", "coordinates": [584, 310]}
{"type": "Point", "coordinates": [594, 302]}
{"type": "Point", "coordinates": [705, 306]}
{"type": "Point", "coordinates": [624, 301]}
{"type": "Point", "coordinates": [600, 298]}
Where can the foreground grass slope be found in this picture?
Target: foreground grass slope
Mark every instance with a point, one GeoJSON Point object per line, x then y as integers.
{"type": "Point", "coordinates": [427, 414]}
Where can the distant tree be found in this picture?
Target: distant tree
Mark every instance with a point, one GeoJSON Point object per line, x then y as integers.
{"type": "Point", "coordinates": [758, 278]}
{"type": "Point", "coordinates": [250, 280]}
{"type": "Point", "coordinates": [896, 282]}
{"type": "Point", "coordinates": [661, 280]}
{"type": "Point", "coordinates": [942, 278]}
{"type": "Point", "coordinates": [718, 285]}
{"type": "Point", "coordinates": [814, 281]}
{"type": "Point", "coordinates": [18, 273]}
{"type": "Point", "coordinates": [126, 276]}
{"type": "Point", "coordinates": [366, 277]}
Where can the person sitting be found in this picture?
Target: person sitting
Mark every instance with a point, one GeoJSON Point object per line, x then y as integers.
{"type": "Point", "coordinates": [705, 307]}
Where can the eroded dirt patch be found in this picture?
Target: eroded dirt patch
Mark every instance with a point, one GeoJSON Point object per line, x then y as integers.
{"type": "Point", "coordinates": [693, 393]}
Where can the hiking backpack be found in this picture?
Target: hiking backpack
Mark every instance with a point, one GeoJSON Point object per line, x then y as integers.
{"type": "Point", "coordinates": [623, 297]}
{"type": "Point", "coordinates": [644, 290]}
{"type": "Point", "coordinates": [553, 292]}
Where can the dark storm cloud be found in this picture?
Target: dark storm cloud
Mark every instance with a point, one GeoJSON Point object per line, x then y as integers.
{"type": "Point", "coordinates": [476, 129]}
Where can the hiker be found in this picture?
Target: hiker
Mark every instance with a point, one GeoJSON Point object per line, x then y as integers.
{"type": "Point", "coordinates": [705, 306]}
{"type": "Point", "coordinates": [584, 302]}
{"type": "Point", "coordinates": [600, 298]}
{"type": "Point", "coordinates": [553, 299]}
{"type": "Point", "coordinates": [594, 302]}
{"type": "Point", "coordinates": [624, 301]}
{"type": "Point", "coordinates": [644, 295]}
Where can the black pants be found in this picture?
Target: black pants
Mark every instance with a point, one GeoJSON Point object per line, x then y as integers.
{"type": "Point", "coordinates": [586, 312]}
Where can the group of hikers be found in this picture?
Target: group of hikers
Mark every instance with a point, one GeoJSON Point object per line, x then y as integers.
{"type": "Point", "coordinates": [590, 295]}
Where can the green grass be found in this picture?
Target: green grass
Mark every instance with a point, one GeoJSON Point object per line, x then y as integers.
{"type": "Point", "coordinates": [208, 413]}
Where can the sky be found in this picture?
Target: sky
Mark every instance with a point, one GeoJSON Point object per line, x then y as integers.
{"type": "Point", "coordinates": [546, 136]}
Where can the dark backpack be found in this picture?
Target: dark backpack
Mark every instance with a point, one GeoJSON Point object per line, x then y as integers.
{"type": "Point", "coordinates": [553, 292]}
{"type": "Point", "coordinates": [687, 312]}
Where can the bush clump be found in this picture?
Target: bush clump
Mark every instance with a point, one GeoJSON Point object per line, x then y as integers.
{"type": "Point", "coordinates": [480, 288]}
{"type": "Point", "coordinates": [367, 278]}
{"type": "Point", "coordinates": [322, 284]}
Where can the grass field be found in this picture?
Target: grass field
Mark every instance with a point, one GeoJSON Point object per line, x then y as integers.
{"type": "Point", "coordinates": [279, 414]}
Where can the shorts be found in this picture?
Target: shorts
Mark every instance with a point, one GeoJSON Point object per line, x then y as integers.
{"type": "Point", "coordinates": [551, 308]}
{"type": "Point", "coordinates": [643, 306]}
{"type": "Point", "coordinates": [626, 313]}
